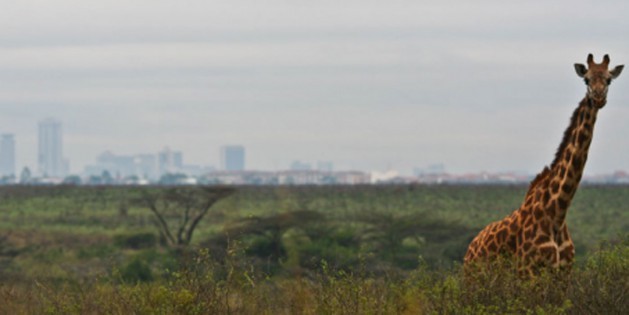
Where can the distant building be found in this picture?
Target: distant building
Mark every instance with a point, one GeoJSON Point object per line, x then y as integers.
{"type": "Point", "coordinates": [233, 158]}
{"type": "Point", "coordinates": [325, 166]}
{"type": "Point", "coordinates": [146, 166]}
{"type": "Point", "coordinates": [169, 161]}
{"type": "Point", "coordinates": [196, 170]}
{"type": "Point", "coordinates": [7, 155]}
{"type": "Point", "coordinates": [50, 153]}
{"type": "Point", "coordinates": [352, 178]}
{"type": "Point", "coordinates": [285, 178]}
{"type": "Point", "coordinates": [431, 170]}
{"type": "Point", "coordinates": [383, 177]}
{"type": "Point", "coordinates": [117, 165]}
{"type": "Point", "coordinates": [300, 166]}
{"type": "Point", "coordinates": [142, 166]}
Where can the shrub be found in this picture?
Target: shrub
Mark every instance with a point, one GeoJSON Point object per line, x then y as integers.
{"type": "Point", "coordinates": [136, 271]}
{"type": "Point", "coordinates": [136, 240]}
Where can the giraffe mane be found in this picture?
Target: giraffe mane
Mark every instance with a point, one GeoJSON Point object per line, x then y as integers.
{"type": "Point", "coordinates": [541, 176]}
{"type": "Point", "coordinates": [564, 143]}
{"type": "Point", "coordinates": [567, 134]}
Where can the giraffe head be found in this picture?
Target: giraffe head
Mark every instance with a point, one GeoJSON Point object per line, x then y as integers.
{"type": "Point", "coordinates": [597, 77]}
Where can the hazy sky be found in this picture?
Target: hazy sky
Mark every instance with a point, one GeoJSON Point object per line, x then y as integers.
{"type": "Point", "coordinates": [476, 85]}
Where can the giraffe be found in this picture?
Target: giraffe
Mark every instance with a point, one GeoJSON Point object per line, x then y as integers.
{"type": "Point", "coordinates": [536, 234]}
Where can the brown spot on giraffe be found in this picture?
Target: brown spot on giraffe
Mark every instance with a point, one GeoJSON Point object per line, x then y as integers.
{"type": "Point", "coordinates": [536, 234]}
{"type": "Point", "coordinates": [539, 213]}
{"type": "Point", "coordinates": [587, 125]}
{"type": "Point", "coordinates": [554, 187]}
{"type": "Point", "coordinates": [568, 156]}
{"type": "Point", "coordinates": [546, 198]}
{"type": "Point", "coordinates": [562, 171]}
{"type": "Point", "coordinates": [544, 225]}
{"type": "Point", "coordinates": [501, 236]}
{"type": "Point", "coordinates": [514, 227]}
{"type": "Point", "coordinates": [551, 210]}
{"type": "Point", "coordinates": [567, 188]}
{"type": "Point", "coordinates": [492, 247]}
{"type": "Point", "coordinates": [576, 161]}
{"type": "Point", "coordinates": [542, 239]}
{"type": "Point", "coordinates": [562, 203]}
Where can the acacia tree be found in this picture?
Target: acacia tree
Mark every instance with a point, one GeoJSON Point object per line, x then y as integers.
{"type": "Point", "coordinates": [264, 237]}
{"type": "Point", "coordinates": [177, 211]}
{"type": "Point", "coordinates": [386, 233]}
{"type": "Point", "coordinates": [272, 228]}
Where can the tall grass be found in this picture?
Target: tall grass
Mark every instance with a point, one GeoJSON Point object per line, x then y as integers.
{"type": "Point", "coordinates": [232, 286]}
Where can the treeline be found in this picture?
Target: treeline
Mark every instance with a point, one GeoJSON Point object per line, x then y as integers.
{"type": "Point", "coordinates": [282, 230]}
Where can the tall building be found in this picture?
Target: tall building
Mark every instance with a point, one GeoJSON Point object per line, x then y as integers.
{"type": "Point", "coordinates": [7, 155]}
{"type": "Point", "coordinates": [233, 158]}
{"type": "Point", "coordinates": [169, 161]}
{"type": "Point", "coordinates": [146, 166]}
{"type": "Point", "coordinates": [50, 157]}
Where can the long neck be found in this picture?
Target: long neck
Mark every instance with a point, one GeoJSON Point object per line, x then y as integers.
{"type": "Point", "coordinates": [567, 169]}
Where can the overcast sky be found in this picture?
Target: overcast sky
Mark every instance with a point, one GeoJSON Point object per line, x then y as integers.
{"type": "Point", "coordinates": [369, 85]}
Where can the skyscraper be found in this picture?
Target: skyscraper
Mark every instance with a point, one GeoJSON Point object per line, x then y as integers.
{"type": "Point", "coordinates": [146, 166]}
{"type": "Point", "coordinates": [50, 158]}
{"type": "Point", "coordinates": [7, 155]}
{"type": "Point", "coordinates": [233, 158]}
{"type": "Point", "coordinates": [169, 161]}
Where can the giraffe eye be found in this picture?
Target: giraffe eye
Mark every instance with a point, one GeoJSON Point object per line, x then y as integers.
{"type": "Point", "coordinates": [587, 81]}
{"type": "Point", "coordinates": [609, 81]}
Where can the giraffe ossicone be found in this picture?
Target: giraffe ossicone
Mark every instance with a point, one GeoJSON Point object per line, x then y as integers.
{"type": "Point", "coordinates": [536, 234]}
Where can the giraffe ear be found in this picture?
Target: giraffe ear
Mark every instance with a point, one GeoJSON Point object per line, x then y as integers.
{"type": "Point", "coordinates": [616, 71]}
{"type": "Point", "coordinates": [581, 69]}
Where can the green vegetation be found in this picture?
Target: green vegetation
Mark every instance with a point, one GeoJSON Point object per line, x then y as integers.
{"type": "Point", "coordinates": [292, 250]}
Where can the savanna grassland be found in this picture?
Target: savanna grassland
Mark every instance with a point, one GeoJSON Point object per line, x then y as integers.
{"type": "Point", "coordinates": [293, 250]}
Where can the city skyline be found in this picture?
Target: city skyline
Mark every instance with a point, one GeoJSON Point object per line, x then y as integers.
{"type": "Point", "coordinates": [168, 161]}
{"type": "Point", "coordinates": [368, 85]}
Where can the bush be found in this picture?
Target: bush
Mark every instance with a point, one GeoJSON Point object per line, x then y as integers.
{"type": "Point", "coordinates": [136, 240]}
{"type": "Point", "coordinates": [602, 287]}
{"type": "Point", "coordinates": [136, 271]}
{"type": "Point", "coordinates": [231, 286]}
